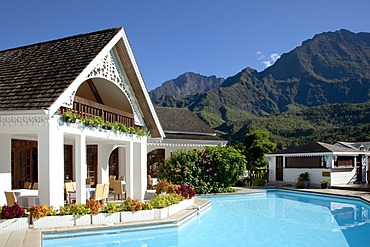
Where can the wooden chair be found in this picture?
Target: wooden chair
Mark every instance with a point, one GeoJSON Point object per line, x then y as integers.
{"type": "Point", "coordinates": [111, 180]}
{"type": "Point", "coordinates": [118, 190]}
{"type": "Point", "coordinates": [106, 192]}
{"type": "Point", "coordinates": [68, 187]}
{"type": "Point", "coordinates": [149, 182]}
{"type": "Point", "coordinates": [99, 192]}
{"type": "Point", "coordinates": [35, 186]}
{"type": "Point", "coordinates": [74, 186]}
{"type": "Point", "coordinates": [10, 198]}
{"type": "Point", "coordinates": [121, 178]}
{"type": "Point", "coordinates": [27, 185]}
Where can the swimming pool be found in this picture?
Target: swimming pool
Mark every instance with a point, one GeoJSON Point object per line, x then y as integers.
{"type": "Point", "coordinates": [277, 218]}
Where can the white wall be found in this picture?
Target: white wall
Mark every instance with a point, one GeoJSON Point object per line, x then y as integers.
{"type": "Point", "coordinates": [342, 177]}
{"type": "Point", "coordinates": [290, 175]}
{"type": "Point", "coordinates": [5, 166]}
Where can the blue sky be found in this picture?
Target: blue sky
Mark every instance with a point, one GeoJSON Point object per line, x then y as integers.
{"type": "Point", "coordinates": [170, 37]}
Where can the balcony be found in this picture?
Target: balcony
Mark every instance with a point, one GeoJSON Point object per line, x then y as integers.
{"type": "Point", "coordinates": [87, 108]}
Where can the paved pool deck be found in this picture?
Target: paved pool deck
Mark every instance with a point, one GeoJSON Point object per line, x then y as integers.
{"type": "Point", "coordinates": [32, 238]}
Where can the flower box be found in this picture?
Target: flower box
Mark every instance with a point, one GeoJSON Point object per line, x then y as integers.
{"type": "Point", "coordinates": [8, 225]}
{"type": "Point", "coordinates": [187, 203]}
{"type": "Point", "coordinates": [53, 222]}
{"type": "Point", "coordinates": [82, 220]}
{"type": "Point", "coordinates": [160, 213]}
{"type": "Point", "coordinates": [105, 218]}
{"type": "Point", "coordinates": [141, 215]}
{"type": "Point", "coordinates": [175, 208]}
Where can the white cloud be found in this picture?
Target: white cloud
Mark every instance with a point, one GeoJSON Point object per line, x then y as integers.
{"type": "Point", "coordinates": [270, 61]}
{"type": "Point", "coordinates": [260, 55]}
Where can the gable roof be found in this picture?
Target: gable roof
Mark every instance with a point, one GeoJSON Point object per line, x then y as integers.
{"type": "Point", "coordinates": [181, 123]}
{"type": "Point", "coordinates": [33, 77]}
{"type": "Point", "coordinates": [317, 147]}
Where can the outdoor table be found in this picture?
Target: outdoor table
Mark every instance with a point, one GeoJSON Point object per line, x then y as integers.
{"type": "Point", "coordinates": [27, 197]}
{"type": "Point", "coordinates": [89, 193]}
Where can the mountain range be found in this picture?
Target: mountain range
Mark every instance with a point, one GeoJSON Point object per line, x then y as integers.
{"type": "Point", "coordinates": [309, 94]}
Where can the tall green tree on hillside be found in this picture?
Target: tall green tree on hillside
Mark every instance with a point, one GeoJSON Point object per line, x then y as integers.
{"type": "Point", "coordinates": [257, 143]}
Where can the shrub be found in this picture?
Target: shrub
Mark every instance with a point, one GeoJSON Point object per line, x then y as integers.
{"type": "Point", "coordinates": [131, 205]}
{"type": "Point", "coordinates": [174, 198]}
{"type": "Point", "coordinates": [186, 191]}
{"type": "Point", "coordinates": [12, 212]}
{"type": "Point", "coordinates": [165, 186]}
{"type": "Point", "coordinates": [93, 205]}
{"type": "Point", "coordinates": [160, 202]}
{"type": "Point", "coordinates": [39, 211]}
{"type": "Point", "coordinates": [212, 170]}
{"type": "Point", "coordinates": [259, 182]}
{"type": "Point", "coordinates": [80, 209]}
{"type": "Point", "coordinates": [147, 206]}
{"type": "Point", "coordinates": [66, 210]}
{"type": "Point", "coordinates": [111, 208]}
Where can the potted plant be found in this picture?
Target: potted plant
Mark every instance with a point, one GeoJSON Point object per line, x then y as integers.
{"type": "Point", "coordinates": [303, 180]}
{"type": "Point", "coordinates": [134, 210]}
{"type": "Point", "coordinates": [44, 216]}
{"type": "Point", "coordinates": [109, 214]}
{"type": "Point", "coordinates": [81, 214]}
{"type": "Point", "coordinates": [13, 218]}
{"type": "Point", "coordinates": [325, 184]}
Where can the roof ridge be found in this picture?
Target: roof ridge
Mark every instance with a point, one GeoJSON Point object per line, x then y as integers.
{"type": "Point", "coordinates": [62, 39]}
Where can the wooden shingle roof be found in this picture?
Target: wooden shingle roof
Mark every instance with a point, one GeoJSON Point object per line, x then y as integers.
{"type": "Point", "coordinates": [181, 123]}
{"type": "Point", "coordinates": [33, 77]}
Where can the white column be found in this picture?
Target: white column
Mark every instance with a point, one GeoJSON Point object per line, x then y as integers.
{"type": "Point", "coordinates": [5, 166]}
{"type": "Point", "coordinates": [51, 164]}
{"type": "Point", "coordinates": [129, 172]}
{"type": "Point", "coordinates": [104, 151]}
{"type": "Point", "coordinates": [140, 169]}
{"type": "Point", "coordinates": [330, 161]}
{"type": "Point", "coordinates": [80, 168]}
{"type": "Point", "coordinates": [272, 168]}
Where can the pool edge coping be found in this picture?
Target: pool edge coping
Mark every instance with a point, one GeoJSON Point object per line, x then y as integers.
{"type": "Point", "coordinates": [34, 237]}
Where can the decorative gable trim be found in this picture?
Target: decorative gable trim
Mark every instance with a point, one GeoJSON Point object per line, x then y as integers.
{"type": "Point", "coordinates": [109, 69]}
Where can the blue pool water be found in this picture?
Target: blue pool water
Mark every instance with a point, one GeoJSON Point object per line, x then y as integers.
{"type": "Point", "coordinates": [276, 218]}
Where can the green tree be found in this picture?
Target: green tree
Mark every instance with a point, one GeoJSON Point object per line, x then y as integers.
{"type": "Point", "coordinates": [212, 170]}
{"type": "Point", "coordinates": [257, 143]}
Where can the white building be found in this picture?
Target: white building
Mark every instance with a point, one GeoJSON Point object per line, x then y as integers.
{"type": "Point", "coordinates": [339, 164]}
{"type": "Point", "coordinates": [92, 74]}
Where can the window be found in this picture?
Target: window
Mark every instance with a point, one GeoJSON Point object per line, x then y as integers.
{"type": "Point", "coordinates": [344, 162]}
{"type": "Point", "coordinates": [303, 162]}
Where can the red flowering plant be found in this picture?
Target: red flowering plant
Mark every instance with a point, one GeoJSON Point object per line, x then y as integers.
{"type": "Point", "coordinates": [186, 191]}
{"type": "Point", "coordinates": [11, 212]}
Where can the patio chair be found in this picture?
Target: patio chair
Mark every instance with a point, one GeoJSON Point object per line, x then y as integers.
{"type": "Point", "coordinates": [111, 180]}
{"type": "Point", "coordinates": [27, 185]}
{"type": "Point", "coordinates": [99, 192]}
{"type": "Point", "coordinates": [149, 182]}
{"type": "Point", "coordinates": [35, 186]}
{"type": "Point", "coordinates": [106, 192]}
{"type": "Point", "coordinates": [10, 198]}
{"type": "Point", "coordinates": [74, 186]}
{"type": "Point", "coordinates": [68, 187]}
{"type": "Point", "coordinates": [118, 190]}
